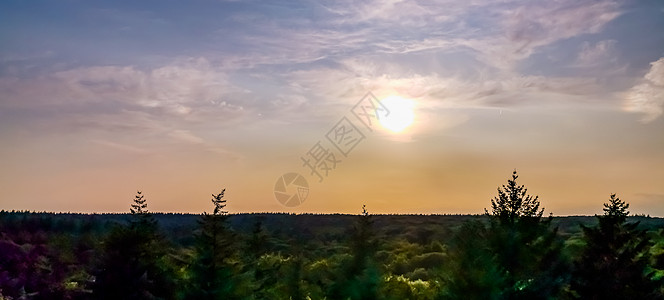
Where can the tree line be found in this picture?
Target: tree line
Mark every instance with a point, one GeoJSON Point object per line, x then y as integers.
{"type": "Point", "coordinates": [513, 252]}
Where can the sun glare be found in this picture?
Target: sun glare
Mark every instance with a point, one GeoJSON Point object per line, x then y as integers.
{"type": "Point", "coordinates": [401, 113]}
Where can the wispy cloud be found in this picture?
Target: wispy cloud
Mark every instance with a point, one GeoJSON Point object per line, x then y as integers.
{"type": "Point", "coordinates": [463, 54]}
{"type": "Point", "coordinates": [494, 36]}
{"type": "Point", "coordinates": [186, 136]}
{"type": "Point", "coordinates": [647, 97]}
{"type": "Point", "coordinates": [600, 53]}
{"type": "Point", "coordinates": [520, 29]}
{"type": "Point", "coordinates": [190, 138]}
{"type": "Point", "coordinates": [357, 76]}
{"type": "Point", "coordinates": [500, 34]}
{"type": "Point", "coordinates": [175, 87]}
{"type": "Point", "coordinates": [121, 147]}
{"type": "Point", "coordinates": [186, 90]}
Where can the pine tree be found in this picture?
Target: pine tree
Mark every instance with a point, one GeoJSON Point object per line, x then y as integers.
{"type": "Point", "coordinates": [257, 244]}
{"type": "Point", "coordinates": [293, 273]}
{"type": "Point", "coordinates": [359, 278]}
{"type": "Point", "coordinates": [213, 268]}
{"type": "Point", "coordinates": [614, 262]}
{"type": "Point", "coordinates": [472, 271]}
{"type": "Point", "coordinates": [513, 203]}
{"type": "Point", "coordinates": [140, 205]}
{"type": "Point", "coordinates": [526, 250]}
{"type": "Point", "coordinates": [142, 220]}
{"type": "Point", "coordinates": [255, 247]}
{"type": "Point", "coordinates": [135, 264]}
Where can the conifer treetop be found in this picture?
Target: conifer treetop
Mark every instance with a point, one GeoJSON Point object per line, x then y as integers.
{"type": "Point", "coordinates": [140, 205]}
{"type": "Point", "coordinates": [616, 209]}
{"type": "Point", "coordinates": [513, 202]}
{"type": "Point", "coordinates": [219, 203]}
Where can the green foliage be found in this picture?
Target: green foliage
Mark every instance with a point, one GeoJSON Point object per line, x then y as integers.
{"type": "Point", "coordinates": [401, 287]}
{"type": "Point", "coordinates": [511, 253]}
{"type": "Point", "coordinates": [260, 276]}
{"type": "Point", "coordinates": [135, 262]}
{"type": "Point", "coordinates": [363, 242]}
{"type": "Point", "coordinates": [527, 252]}
{"type": "Point", "coordinates": [516, 256]}
{"type": "Point", "coordinates": [657, 252]}
{"type": "Point", "coordinates": [472, 271]}
{"type": "Point", "coordinates": [293, 279]}
{"type": "Point", "coordinates": [359, 277]}
{"type": "Point", "coordinates": [614, 262]}
{"type": "Point", "coordinates": [257, 245]}
{"type": "Point", "coordinates": [211, 272]}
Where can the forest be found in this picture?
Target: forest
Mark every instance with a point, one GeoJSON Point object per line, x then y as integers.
{"type": "Point", "coordinates": [510, 252]}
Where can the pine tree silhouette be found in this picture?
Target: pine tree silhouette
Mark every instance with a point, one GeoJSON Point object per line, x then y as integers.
{"type": "Point", "coordinates": [513, 203]}
{"type": "Point", "coordinates": [212, 269]}
{"type": "Point", "coordinates": [525, 249]}
{"type": "Point", "coordinates": [142, 220]}
{"type": "Point", "coordinates": [359, 278]}
{"type": "Point", "coordinates": [614, 262]}
{"type": "Point", "coordinates": [140, 205]}
{"type": "Point", "coordinates": [134, 264]}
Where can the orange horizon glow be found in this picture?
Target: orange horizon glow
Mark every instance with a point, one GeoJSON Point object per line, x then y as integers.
{"type": "Point", "coordinates": [148, 98]}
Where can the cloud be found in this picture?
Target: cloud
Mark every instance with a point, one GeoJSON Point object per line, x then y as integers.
{"type": "Point", "coordinates": [186, 136]}
{"type": "Point", "coordinates": [499, 33]}
{"type": "Point", "coordinates": [357, 76]}
{"type": "Point", "coordinates": [123, 121]}
{"type": "Point", "coordinates": [175, 87]}
{"type": "Point", "coordinates": [231, 155]}
{"type": "Point", "coordinates": [405, 13]}
{"type": "Point", "coordinates": [191, 139]}
{"type": "Point", "coordinates": [600, 53]}
{"type": "Point", "coordinates": [184, 90]}
{"type": "Point", "coordinates": [287, 63]}
{"type": "Point", "coordinates": [656, 73]}
{"type": "Point", "coordinates": [647, 97]}
{"type": "Point", "coordinates": [522, 28]}
{"type": "Point", "coordinates": [121, 147]}
{"type": "Point", "coordinates": [538, 22]}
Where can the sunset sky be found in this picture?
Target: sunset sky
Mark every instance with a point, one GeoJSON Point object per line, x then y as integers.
{"type": "Point", "coordinates": [178, 99]}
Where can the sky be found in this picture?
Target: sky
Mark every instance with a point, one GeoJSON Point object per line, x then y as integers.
{"type": "Point", "coordinates": [180, 99]}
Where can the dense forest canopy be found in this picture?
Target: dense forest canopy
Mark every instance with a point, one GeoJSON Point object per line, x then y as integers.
{"type": "Point", "coordinates": [510, 252]}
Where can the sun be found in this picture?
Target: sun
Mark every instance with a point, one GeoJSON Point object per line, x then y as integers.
{"type": "Point", "coordinates": [401, 113]}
